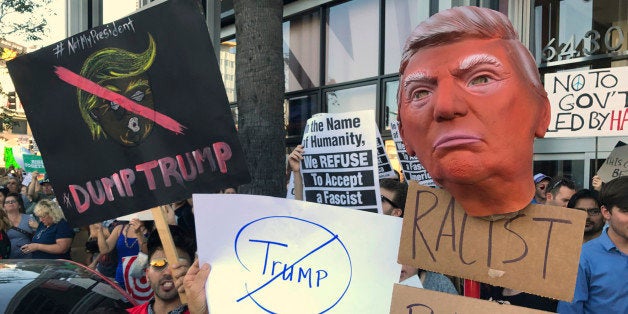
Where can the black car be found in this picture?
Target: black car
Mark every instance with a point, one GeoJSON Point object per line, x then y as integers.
{"type": "Point", "coordinates": [57, 286]}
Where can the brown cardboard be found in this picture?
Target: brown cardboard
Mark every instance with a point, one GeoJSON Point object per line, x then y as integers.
{"type": "Point", "coordinates": [537, 251]}
{"type": "Point", "coordinates": [616, 165]}
{"type": "Point", "coordinates": [406, 300]}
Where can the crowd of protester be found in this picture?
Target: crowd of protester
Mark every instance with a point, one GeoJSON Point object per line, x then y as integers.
{"type": "Point", "coordinates": [40, 231]}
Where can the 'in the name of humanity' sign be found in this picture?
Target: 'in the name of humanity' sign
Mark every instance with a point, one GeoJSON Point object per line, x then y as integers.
{"type": "Point", "coordinates": [339, 163]}
{"type": "Point", "coordinates": [588, 103]}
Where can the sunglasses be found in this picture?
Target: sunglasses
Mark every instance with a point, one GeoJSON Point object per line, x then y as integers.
{"type": "Point", "coordinates": [159, 264]}
{"type": "Point", "coordinates": [591, 211]}
{"type": "Point", "coordinates": [393, 204]}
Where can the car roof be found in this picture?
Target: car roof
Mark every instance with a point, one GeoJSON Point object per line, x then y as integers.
{"type": "Point", "coordinates": [56, 286]}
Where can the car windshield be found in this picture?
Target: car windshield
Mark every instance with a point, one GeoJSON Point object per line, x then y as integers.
{"type": "Point", "coordinates": [55, 286]}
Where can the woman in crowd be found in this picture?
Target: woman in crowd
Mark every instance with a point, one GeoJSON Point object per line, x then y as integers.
{"type": "Point", "coordinates": [53, 235]}
{"type": "Point", "coordinates": [128, 239]}
{"type": "Point", "coordinates": [5, 243]}
{"type": "Point", "coordinates": [20, 233]}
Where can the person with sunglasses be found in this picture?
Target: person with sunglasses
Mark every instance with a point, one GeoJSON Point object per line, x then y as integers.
{"type": "Point", "coordinates": [559, 191]}
{"type": "Point", "coordinates": [393, 194]}
{"type": "Point", "coordinates": [165, 277]}
{"type": "Point", "coordinates": [587, 200]}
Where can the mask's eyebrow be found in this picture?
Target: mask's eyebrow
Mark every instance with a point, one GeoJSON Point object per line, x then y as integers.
{"type": "Point", "coordinates": [475, 60]}
{"type": "Point", "coordinates": [417, 77]}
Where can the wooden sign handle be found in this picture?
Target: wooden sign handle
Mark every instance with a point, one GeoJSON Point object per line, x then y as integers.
{"type": "Point", "coordinates": [166, 240]}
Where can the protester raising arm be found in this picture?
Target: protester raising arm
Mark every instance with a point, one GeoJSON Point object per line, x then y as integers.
{"type": "Point", "coordinates": [294, 161]}
{"type": "Point", "coordinates": [193, 284]}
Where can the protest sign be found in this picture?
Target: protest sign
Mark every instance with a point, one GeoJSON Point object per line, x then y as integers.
{"type": "Point", "coordinates": [338, 165]}
{"type": "Point", "coordinates": [410, 165]}
{"type": "Point", "coordinates": [138, 106]}
{"type": "Point", "coordinates": [33, 163]}
{"type": "Point", "coordinates": [384, 167]}
{"type": "Point", "coordinates": [283, 256]}
{"type": "Point", "coordinates": [9, 158]}
{"type": "Point", "coordinates": [616, 165]}
{"type": "Point", "coordinates": [588, 103]}
{"type": "Point", "coordinates": [533, 251]}
{"type": "Point", "coordinates": [408, 300]}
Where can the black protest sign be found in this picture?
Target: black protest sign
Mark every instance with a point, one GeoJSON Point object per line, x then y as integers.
{"type": "Point", "coordinates": [339, 165]}
{"type": "Point", "coordinates": [131, 114]}
{"type": "Point", "coordinates": [384, 167]}
{"type": "Point", "coordinates": [412, 168]}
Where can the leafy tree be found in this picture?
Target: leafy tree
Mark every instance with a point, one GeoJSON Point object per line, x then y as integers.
{"type": "Point", "coordinates": [17, 18]}
{"type": "Point", "coordinates": [260, 93]}
{"type": "Point", "coordinates": [24, 19]}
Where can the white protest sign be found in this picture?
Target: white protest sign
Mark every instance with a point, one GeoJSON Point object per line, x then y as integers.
{"type": "Point", "coordinates": [410, 165]}
{"type": "Point", "coordinates": [384, 167]}
{"type": "Point", "coordinates": [616, 165]}
{"type": "Point", "coordinates": [284, 256]}
{"type": "Point", "coordinates": [339, 162]}
{"type": "Point", "coordinates": [588, 103]}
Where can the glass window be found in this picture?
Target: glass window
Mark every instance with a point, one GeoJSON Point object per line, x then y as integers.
{"type": "Point", "coordinates": [115, 9]}
{"type": "Point", "coordinates": [228, 66]}
{"type": "Point", "coordinates": [352, 99]}
{"type": "Point", "coordinates": [574, 29]}
{"type": "Point", "coordinates": [301, 52]}
{"type": "Point", "coordinates": [573, 169]}
{"type": "Point", "coordinates": [402, 16]}
{"type": "Point", "coordinates": [298, 110]}
{"type": "Point", "coordinates": [391, 109]}
{"type": "Point", "coordinates": [352, 41]}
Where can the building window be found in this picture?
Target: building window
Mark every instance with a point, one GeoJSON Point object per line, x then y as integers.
{"type": "Point", "coordinates": [390, 110]}
{"type": "Point", "coordinates": [352, 41]}
{"type": "Point", "coordinates": [402, 16]}
{"type": "Point", "coordinates": [574, 31]}
{"type": "Point", "coordinates": [301, 51]}
{"type": "Point", "coordinates": [298, 110]}
{"type": "Point", "coordinates": [352, 99]}
{"type": "Point", "coordinates": [227, 67]}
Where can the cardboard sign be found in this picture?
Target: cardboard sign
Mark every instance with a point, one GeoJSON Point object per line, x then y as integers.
{"type": "Point", "coordinates": [616, 165]}
{"type": "Point", "coordinates": [384, 167]}
{"type": "Point", "coordinates": [339, 166]}
{"type": "Point", "coordinates": [410, 165]}
{"type": "Point", "coordinates": [409, 300]}
{"type": "Point", "coordinates": [284, 256]}
{"type": "Point", "coordinates": [537, 251]}
{"type": "Point", "coordinates": [588, 103]}
{"type": "Point", "coordinates": [33, 163]}
{"type": "Point", "coordinates": [138, 106]}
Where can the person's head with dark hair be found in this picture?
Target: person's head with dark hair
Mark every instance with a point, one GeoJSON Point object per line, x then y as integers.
{"type": "Point", "coordinates": [614, 199]}
{"type": "Point", "coordinates": [453, 66]}
{"type": "Point", "coordinates": [393, 194]}
{"type": "Point", "coordinates": [181, 238]}
{"type": "Point", "coordinates": [14, 200]}
{"type": "Point", "coordinates": [588, 201]}
{"type": "Point", "coordinates": [160, 273]}
{"type": "Point", "coordinates": [559, 191]}
{"type": "Point", "coordinates": [615, 194]}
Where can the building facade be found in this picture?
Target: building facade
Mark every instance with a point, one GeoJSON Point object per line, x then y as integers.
{"type": "Point", "coordinates": [344, 55]}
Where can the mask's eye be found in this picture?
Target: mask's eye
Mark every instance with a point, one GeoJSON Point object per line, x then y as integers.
{"type": "Point", "coordinates": [483, 79]}
{"type": "Point", "coordinates": [114, 105]}
{"type": "Point", "coordinates": [137, 96]}
{"type": "Point", "coordinates": [419, 94]}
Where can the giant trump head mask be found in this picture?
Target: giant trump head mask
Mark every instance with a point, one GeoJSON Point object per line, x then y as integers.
{"type": "Point", "coordinates": [470, 105]}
